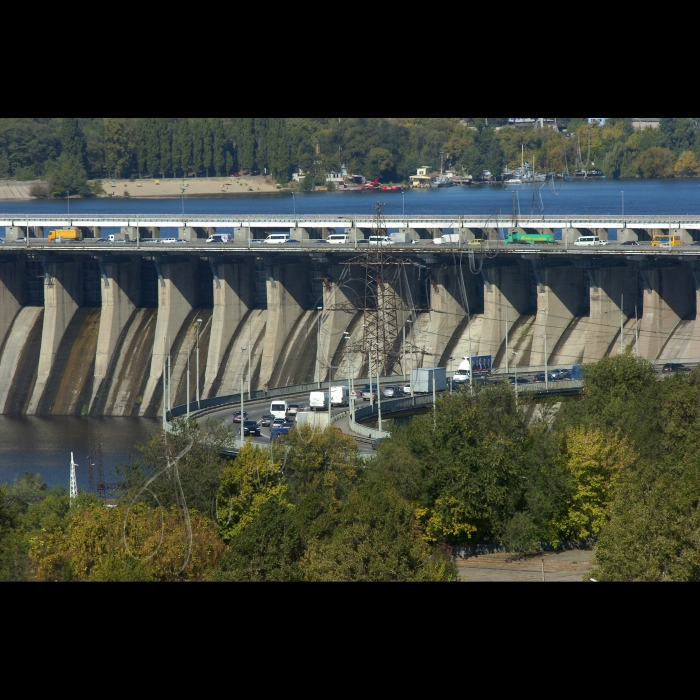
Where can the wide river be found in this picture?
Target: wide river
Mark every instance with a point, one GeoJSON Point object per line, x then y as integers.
{"type": "Point", "coordinates": [44, 445]}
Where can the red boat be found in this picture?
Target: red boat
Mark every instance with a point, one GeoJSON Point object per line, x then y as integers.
{"type": "Point", "coordinates": [391, 188]}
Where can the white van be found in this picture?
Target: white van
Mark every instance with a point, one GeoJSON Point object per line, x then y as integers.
{"type": "Point", "coordinates": [380, 240]}
{"type": "Point", "coordinates": [339, 239]}
{"type": "Point", "coordinates": [340, 396]}
{"type": "Point", "coordinates": [220, 238]}
{"type": "Point", "coordinates": [588, 241]}
{"type": "Point", "coordinates": [277, 239]}
{"type": "Point", "coordinates": [318, 401]}
{"type": "Point", "coordinates": [279, 409]}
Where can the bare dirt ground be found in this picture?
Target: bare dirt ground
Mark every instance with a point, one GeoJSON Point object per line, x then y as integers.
{"type": "Point", "coordinates": [564, 567]}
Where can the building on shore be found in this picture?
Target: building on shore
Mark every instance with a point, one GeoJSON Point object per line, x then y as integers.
{"type": "Point", "coordinates": [423, 179]}
{"type": "Point", "coordinates": [640, 123]}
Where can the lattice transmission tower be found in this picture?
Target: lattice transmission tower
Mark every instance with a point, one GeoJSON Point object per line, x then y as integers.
{"type": "Point", "coordinates": [387, 302]}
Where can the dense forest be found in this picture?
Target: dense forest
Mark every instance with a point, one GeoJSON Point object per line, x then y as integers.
{"type": "Point", "coordinates": [619, 468]}
{"type": "Point", "coordinates": [69, 152]}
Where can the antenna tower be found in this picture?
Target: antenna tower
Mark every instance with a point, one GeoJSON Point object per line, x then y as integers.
{"type": "Point", "coordinates": [385, 309]}
{"type": "Point", "coordinates": [73, 479]}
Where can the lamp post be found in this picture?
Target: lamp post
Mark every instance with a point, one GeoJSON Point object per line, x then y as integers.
{"type": "Point", "coordinates": [515, 369]}
{"type": "Point", "coordinates": [189, 351]}
{"type": "Point", "coordinates": [623, 206]}
{"type": "Point", "coordinates": [242, 407]}
{"type": "Point", "coordinates": [199, 326]}
{"type": "Point", "coordinates": [294, 200]}
{"type": "Point", "coordinates": [405, 375]}
{"type": "Point", "coordinates": [403, 194]}
{"type": "Point", "coordinates": [452, 377]}
{"type": "Point", "coordinates": [379, 393]}
{"type": "Point", "coordinates": [546, 358]}
{"type": "Point", "coordinates": [318, 345]}
{"type": "Point", "coordinates": [351, 372]}
{"type": "Point", "coordinates": [413, 392]}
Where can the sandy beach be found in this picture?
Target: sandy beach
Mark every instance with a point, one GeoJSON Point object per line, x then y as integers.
{"type": "Point", "coordinates": [198, 186]}
{"type": "Point", "coordinates": [166, 188]}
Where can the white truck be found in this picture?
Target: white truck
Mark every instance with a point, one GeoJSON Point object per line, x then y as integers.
{"type": "Point", "coordinates": [318, 401]}
{"type": "Point", "coordinates": [340, 396]}
{"type": "Point", "coordinates": [220, 238]}
{"type": "Point", "coordinates": [423, 380]}
{"type": "Point", "coordinates": [482, 367]}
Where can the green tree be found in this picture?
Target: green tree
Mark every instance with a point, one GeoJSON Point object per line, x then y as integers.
{"type": "Point", "coordinates": [378, 539]}
{"type": "Point", "coordinates": [656, 162]}
{"type": "Point", "coordinates": [687, 165]}
{"type": "Point", "coordinates": [118, 146]}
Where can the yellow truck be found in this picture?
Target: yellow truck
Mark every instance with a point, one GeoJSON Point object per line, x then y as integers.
{"type": "Point", "coordinates": [67, 234]}
{"type": "Point", "coordinates": [666, 240]}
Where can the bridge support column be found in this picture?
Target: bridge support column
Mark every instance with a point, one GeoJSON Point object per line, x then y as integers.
{"type": "Point", "coordinates": [687, 237]}
{"type": "Point", "coordinates": [243, 235]}
{"type": "Point", "coordinates": [63, 295]}
{"type": "Point", "coordinates": [608, 287]}
{"type": "Point", "coordinates": [91, 231]}
{"type": "Point", "coordinates": [625, 235]}
{"type": "Point", "coordinates": [447, 310]}
{"type": "Point", "coordinates": [12, 288]}
{"type": "Point", "coordinates": [190, 233]}
{"type": "Point", "coordinates": [176, 298]}
{"type": "Point", "coordinates": [669, 298]}
{"type": "Point", "coordinates": [356, 234]}
{"type": "Point", "coordinates": [407, 236]}
{"type": "Point", "coordinates": [505, 300]}
{"type": "Point", "coordinates": [12, 233]}
{"type": "Point", "coordinates": [559, 300]}
{"type": "Point", "coordinates": [121, 295]}
{"type": "Point", "coordinates": [288, 289]}
{"type": "Point", "coordinates": [300, 234]}
{"type": "Point", "coordinates": [234, 297]}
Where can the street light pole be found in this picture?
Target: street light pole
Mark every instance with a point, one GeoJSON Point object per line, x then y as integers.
{"type": "Point", "coordinates": [199, 325]}
{"type": "Point", "coordinates": [379, 396]}
{"type": "Point", "coordinates": [515, 363]}
{"type": "Point", "coordinates": [546, 359]}
{"type": "Point", "coordinates": [318, 345]}
{"type": "Point", "coordinates": [405, 376]}
{"type": "Point", "coordinates": [189, 350]}
{"type": "Point", "coordinates": [242, 407]}
{"type": "Point", "coordinates": [452, 376]}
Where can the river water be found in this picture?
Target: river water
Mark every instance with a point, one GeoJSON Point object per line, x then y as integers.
{"type": "Point", "coordinates": [44, 444]}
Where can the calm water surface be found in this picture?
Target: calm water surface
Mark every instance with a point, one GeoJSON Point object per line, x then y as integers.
{"type": "Point", "coordinates": [44, 444]}
{"type": "Point", "coordinates": [586, 197]}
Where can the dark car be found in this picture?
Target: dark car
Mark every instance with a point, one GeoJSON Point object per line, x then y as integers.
{"type": "Point", "coordinates": [560, 375]}
{"type": "Point", "coordinates": [675, 367]}
{"type": "Point", "coordinates": [237, 417]}
{"type": "Point", "coordinates": [392, 392]}
{"type": "Point", "coordinates": [278, 423]}
{"type": "Point", "coordinates": [267, 420]}
{"type": "Point", "coordinates": [521, 381]}
{"type": "Point", "coordinates": [540, 378]}
{"type": "Point", "coordinates": [250, 427]}
{"type": "Point", "coordinates": [293, 242]}
{"type": "Point", "coordinates": [631, 243]}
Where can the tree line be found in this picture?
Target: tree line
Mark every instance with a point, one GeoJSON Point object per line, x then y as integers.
{"type": "Point", "coordinates": [70, 151]}
{"type": "Point", "coordinates": [618, 468]}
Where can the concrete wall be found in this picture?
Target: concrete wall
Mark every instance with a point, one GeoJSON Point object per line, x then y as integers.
{"type": "Point", "coordinates": [669, 298]}
{"type": "Point", "coordinates": [608, 286]}
{"type": "Point", "coordinates": [233, 299]}
{"type": "Point", "coordinates": [288, 290]}
{"type": "Point", "coordinates": [447, 308]}
{"type": "Point", "coordinates": [506, 298]}
{"type": "Point", "coordinates": [121, 295]}
{"type": "Point", "coordinates": [343, 290]}
{"type": "Point", "coordinates": [62, 298]}
{"type": "Point", "coordinates": [176, 297]}
{"type": "Point", "coordinates": [559, 300]}
{"type": "Point", "coordinates": [12, 274]}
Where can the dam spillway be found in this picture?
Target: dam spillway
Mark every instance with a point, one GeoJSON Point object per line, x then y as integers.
{"type": "Point", "coordinates": [91, 326]}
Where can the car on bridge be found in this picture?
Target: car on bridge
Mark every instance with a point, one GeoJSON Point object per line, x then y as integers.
{"type": "Point", "coordinates": [521, 381]}
{"type": "Point", "coordinates": [392, 392]}
{"type": "Point", "coordinates": [380, 240]}
{"type": "Point", "coordinates": [278, 423]}
{"type": "Point", "coordinates": [673, 367]}
{"type": "Point", "coordinates": [540, 378]}
{"type": "Point", "coordinates": [369, 393]}
{"type": "Point", "coordinates": [237, 417]}
{"type": "Point", "coordinates": [250, 427]}
{"type": "Point", "coordinates": [267, 420]}
{"type": "Point", "coordinates": [293, 409]}
{"type": "Point", "coordinates": [631, 243]}
{"type": "Point", "coordinates": [560, 375]}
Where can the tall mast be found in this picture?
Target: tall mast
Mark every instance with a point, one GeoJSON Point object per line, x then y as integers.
{"type": "Point", "coordinates": [73, 479]}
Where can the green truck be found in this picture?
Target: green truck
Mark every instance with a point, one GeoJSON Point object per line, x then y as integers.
{"type": "Point", "coordinates": [521, 237]}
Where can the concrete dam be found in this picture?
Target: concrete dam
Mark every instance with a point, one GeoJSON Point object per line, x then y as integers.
{"type": "Point", "coordinates": [90, 328]}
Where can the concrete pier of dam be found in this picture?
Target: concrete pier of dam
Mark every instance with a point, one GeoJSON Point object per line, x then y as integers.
{"type": "Point", "coordinates": [90, 328]}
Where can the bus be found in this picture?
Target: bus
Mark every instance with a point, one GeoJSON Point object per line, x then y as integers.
{"type": "Point", "coordinates": [520, 237]}
{"type": "Point", "coordinates": [666, 240]}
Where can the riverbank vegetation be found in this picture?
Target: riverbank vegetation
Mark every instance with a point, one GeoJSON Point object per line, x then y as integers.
{"type": "Point", "coordinates": [69, 152]}
{"type": "Point", "coordinates": [618, 468]}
